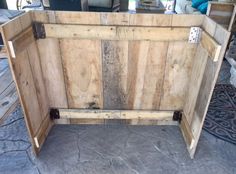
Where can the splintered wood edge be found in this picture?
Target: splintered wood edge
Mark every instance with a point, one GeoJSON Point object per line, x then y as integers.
{"type": "Point", "coordinates": [187, 133]}
{"type": "Point", "coordinates": [211, 46]}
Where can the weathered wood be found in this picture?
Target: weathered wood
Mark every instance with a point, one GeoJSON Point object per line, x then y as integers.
{"type": "Point", "coordinates": [50, 58]}
{"type": "Point", "coordinates": [116, 32]}
{"type": "Point", "coordinates": [207, 85]}
{"type": "Point", "coordinates": [178, 69]}
{"type": "Point", "coordinates": [3, 52]}
{"type": "Point", "coordinates": [140, 68]}
{"type": "Point", "coordinates": [20, 42]}
{"type": "Point", "coordinates": [212, 47]}
{"type": "Point", "coordinates": [115, 114]}
{"type": "Point", "coordinates": [82, 69]}
{"type": "Point", "coordinates": [222, 13]}
{"type": "Point", "coordinates": [27, 76]}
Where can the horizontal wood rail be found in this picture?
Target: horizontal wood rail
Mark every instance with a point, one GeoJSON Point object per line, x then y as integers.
{"type": "Point", "coordinates": [117, 32]}
{"type": "Point", "coordinates": [115, 114]}
{"type": "Point", "coordinates": [21, 41]}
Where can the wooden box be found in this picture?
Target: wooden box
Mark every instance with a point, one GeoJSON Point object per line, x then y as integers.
{"type": "Point", "coordinates": [91, 68]}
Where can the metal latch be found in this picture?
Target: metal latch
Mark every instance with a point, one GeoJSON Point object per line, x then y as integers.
{"type": "Point", "coordinates": [39, 30]}
{"type": "Point", "coordinates": [195, 35]}
{"type": "Point", "coordinates": [54, 114]}
{"type": "Point", "coordinates": [177, 116]}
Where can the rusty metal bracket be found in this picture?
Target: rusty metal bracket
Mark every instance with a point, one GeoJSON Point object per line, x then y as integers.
{"type": "Point", "coordinates": [177, 116]}
{"type": "Point", "coordinates": [39, 30]}
{"type": "Point", "coordinates": [54, 114]}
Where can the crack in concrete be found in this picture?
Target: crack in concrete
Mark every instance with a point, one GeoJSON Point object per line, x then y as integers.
{"type": "Point", "coordinates": [10, 123]}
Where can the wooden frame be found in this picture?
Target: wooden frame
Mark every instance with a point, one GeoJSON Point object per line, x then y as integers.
{"type": "Point", "coordinates": [93, 67]}
{"type": "Point", "coordinates": [223, 13]}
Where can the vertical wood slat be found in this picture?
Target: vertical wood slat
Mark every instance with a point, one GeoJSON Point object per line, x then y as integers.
{"type": "Point", "coordinates": [82, 70]}
{"type": "Point", "coordinates": [50, 58]}
{"type": "Point", "coordinates": [177, 75]}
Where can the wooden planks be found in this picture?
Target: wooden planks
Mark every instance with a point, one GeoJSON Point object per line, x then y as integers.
{"type": "Point", "coordinates": [82, 69]}
{"type": "Point", "coordinates": [21, 42]}
{"type": "Point", "coordinates": [211, 46]}
{"type": "Point", "coordinates": [222, 13]}
{"type": "Point", "coordinates": [50, 59]}
{"type": "Point", "coordinates": [27, 74]}
{"type": "Point", "coordinates": [209, 77]}
{"type": "Point", "coordinates": [116, 32]}
{"type": "Point", "coordinates": [179, 63]}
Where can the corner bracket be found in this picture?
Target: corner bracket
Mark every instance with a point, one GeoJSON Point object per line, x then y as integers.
{"type": "Point", "coordinates": [177, 116]}
{"type": "Point", "coordinates": [54, 114]}
{"type": "Point", "coordinates": [39, 30]}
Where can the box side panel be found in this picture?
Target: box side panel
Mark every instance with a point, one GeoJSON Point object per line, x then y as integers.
{"type": "Point", "coordinates": [27, 74]}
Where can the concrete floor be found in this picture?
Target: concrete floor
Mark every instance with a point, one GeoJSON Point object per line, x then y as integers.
{"type": "Point", "coordinates": [111, 149]}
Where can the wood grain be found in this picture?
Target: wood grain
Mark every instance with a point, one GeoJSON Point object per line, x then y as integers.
{"type": "Point", "coordinates": [82, 68]}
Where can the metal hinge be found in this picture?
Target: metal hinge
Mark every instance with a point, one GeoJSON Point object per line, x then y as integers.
{"type": "Point", "coordinates": [39, 30]}
{"type": "Point", "coordinates": [54, 114]}
{"type": "Point", "coordinates": [177, 116]}
{"type": "Point", "coordinates": [195, 35]}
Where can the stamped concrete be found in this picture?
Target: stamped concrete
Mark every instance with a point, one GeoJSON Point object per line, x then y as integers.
{"type": "Point", "coordinates": [111, 149]}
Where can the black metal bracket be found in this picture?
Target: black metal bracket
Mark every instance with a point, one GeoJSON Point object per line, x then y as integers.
{"type": "Point", "coordinates": [39, 30]}
{"type": "Point", "coordinates": [177, 116]}
{"type": "Point", "coordinates": [54, 114]}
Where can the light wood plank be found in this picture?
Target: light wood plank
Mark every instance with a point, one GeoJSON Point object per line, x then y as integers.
{"type": "Point", "coordinates": [50, 58]}
{"type": "Point", "coordinates": [199, 65]}
{"type": "Point", "coordinates": [115, 114]}
{"type": "Point", "coordinates": [212, 47]}
{"type": "Point", "coordinates": [82, 70]}
{"type": "Point", "coordinates": [21, 41]}
{"type": "Point", "coordinates": [177, 75]}
{"type": "Point", "coordinates": [116, 32]}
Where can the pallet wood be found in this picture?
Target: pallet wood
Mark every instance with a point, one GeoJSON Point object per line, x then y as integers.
{"type": "Point", "coordinates": [223, 13]}
{"type": "Point", "coordinates": [117, 63]}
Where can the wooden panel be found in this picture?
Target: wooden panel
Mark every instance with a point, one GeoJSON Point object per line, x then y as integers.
{"type": "Point", "coordinates": [187, 20]}
{"type": "Point", "coordinates": [198, 69]}
{"type": "Point", "coordinates": [34, 60]}
{"type": "Point", "coordinates": [159, 20]}
{"type": "Point", "coordinates": [115, 71]}
{"type": "Point", "coordinates": [177, 75]}
{"type": "Point", "coordinates": [82, 68]}
{"type": "Point", "coordinates": [115, 114]}
{"type": "Point", "coordinates": [50, 58]}
{"type": "Point", "coordinates": [207, 86]}
{"type": "Point", "coordinates": [21, 41]}
{"type": "Point", "coordinates": [64, 17]}
{"type": "Point", "coordinates": [27, 74]}
{"type": "Point", "coordinates": [116, 32]}
{"type": "Point", "coordinates": [211, 46]}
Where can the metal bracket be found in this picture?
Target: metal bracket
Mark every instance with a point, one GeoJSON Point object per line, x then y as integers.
{"type": "Point", "coordinates": [54, 114]}
{"type": "Point", "coordinates": [195, 35]}
{"type": "Point", "coordinates": [39, 30]}
{"type": "Point", "coordinates": [177, 116]}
